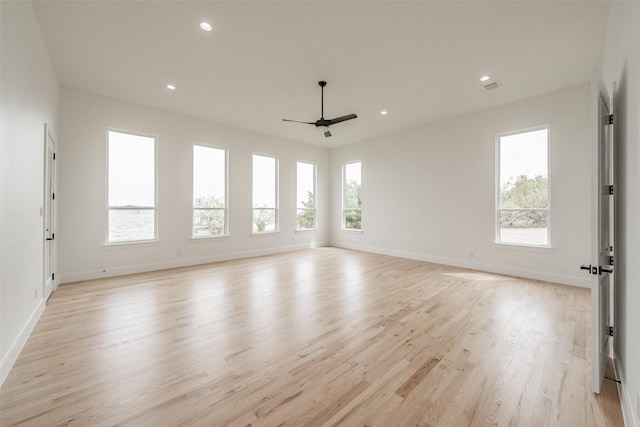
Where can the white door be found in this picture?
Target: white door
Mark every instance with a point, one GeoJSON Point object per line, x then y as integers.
{"type": "Point", "coordinates": [601, 268]}
{"type": "Point", "coordinates": [49, 220]}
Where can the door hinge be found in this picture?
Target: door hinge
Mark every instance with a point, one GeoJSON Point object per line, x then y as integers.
{"type": "Point", "coordinates": [610, 331]}
{"type": "Point", "coordinates": [53, 236]}
{"type": "Point", "coordinates": [610, 189]}
{"type": "Point", "coordinates": [610, 119]}
{"type": "Point", "coordinates": [53, 196]}
{"type": "Point", "coordinates": [54, 156]}
{"type": "Point", "coordinates": [611, 260]}
{"type": "Point", "coordinates": [53, 276]}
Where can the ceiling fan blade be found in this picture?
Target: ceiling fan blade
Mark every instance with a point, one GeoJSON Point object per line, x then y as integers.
{"type": "Point", "coordinates": [327, 133]}
{"type": "Point", "coordinates": [342, 119]}
{"type": "Point", "coordinates": [298, 121]}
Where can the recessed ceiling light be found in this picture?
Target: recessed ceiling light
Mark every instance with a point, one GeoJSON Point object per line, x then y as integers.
{"type": "Point", "coordinates": [171, 87]}
{"type": "Point", "coordinates": [206, 26]}
{"type": "Point", "coordinates": [484, 78]}
{"type": "Point", "coordinates": [383, 112]}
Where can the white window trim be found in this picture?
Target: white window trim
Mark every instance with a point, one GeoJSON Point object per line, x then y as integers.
{"type": "Point", "coordinates": [156, 166]}
{"type": "Point", "coordinates": [277, 198]}
{"type": "Point", "coordinates": [497, 209]}
{"type": "Point", "coordinates": [344, 210]}
{"type": "Point", "coordinates": [226, 193]}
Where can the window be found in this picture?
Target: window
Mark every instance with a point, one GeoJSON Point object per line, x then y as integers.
{"type": "Point", "coordinates": [209, 192]}
{"type": "Point", "coordinates": [306, 192]}
{"type": "Point", "coordinates": [132, 188]}
{"type": "Point", "coordinates": [523, 188]}
{"type": "Point", "coordinates": [265, 194]}
{"type": "Point", "coordinates": [351, 203]}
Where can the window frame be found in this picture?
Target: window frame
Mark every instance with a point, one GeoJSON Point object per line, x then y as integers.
{"type": "Point", "coordinates": [277, 198]}
{"type": "Point", "coordinates": [344, 198]}
{"type": "Point", "coordinates": [226, 192]}
{"type": "Point", "coordinates": [154, 208]}
{"type": "Point", "coordinates": [499, 209]}
{"type": "Point", "coordinates": [314, 210]}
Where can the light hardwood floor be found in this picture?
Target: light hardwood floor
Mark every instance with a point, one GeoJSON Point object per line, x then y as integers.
{"type": "Point", "coordinates": [316, 337]}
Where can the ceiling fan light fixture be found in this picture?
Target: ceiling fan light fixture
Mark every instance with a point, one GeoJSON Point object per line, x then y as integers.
{"type": "Point", "coordinates": [325, 131]}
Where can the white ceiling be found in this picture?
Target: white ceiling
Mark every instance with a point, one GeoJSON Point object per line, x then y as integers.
{"type": "Point", "coordinates": [421, 61]}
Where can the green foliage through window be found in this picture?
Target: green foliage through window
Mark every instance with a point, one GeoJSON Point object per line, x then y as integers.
{"type": "Point", "coordinates": [352, 202]}
{"type": "Point", "coordinates": [528, 194]}
{"type": "Point", "coordinates": [307, 214]}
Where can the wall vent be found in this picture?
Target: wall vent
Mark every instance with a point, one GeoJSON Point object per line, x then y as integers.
{"type": "Point", "coordinates": [492, 86]}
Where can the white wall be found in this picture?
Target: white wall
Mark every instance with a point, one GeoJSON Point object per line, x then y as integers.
{"type": "Point", "coordinates": [84, 120]}
{"type": "Point", "coordinates": [429, 193]}
{"type": "Point", "coordinates": [622, 65]}
{"type": "Point", "coordinates": [29, 100]}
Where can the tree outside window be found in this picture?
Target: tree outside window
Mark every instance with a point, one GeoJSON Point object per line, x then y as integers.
{"type": "Point", "coordinates": [352, 202]}
{"type": "Point", "coordinates": [306, 209]}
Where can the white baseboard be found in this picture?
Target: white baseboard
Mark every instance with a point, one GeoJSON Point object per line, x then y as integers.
{"type": "Point", "coordinates": [182, 262]}
{"type": "Point", "coordinates": [626, 400]}
{"type": "Point", "coordinates": [18, 344]}
{"type": "Point", "coordinates": [490, 268]}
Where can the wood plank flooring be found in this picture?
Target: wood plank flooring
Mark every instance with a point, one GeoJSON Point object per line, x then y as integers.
{"type": "Point", "coordinates": [322, 337]}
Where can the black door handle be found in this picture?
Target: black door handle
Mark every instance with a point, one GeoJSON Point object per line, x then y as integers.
{"type": "Point", "coordinates": [604, 270]}
{"type": "Point", "coordinates": [49, 238]}
{"type": "Point", "coordinates": [591, 269]}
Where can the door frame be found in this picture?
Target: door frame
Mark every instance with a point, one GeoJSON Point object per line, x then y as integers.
{"type": "Point", "coordinates": [49, 283]}
{"type": "Point", "coordinates": [601, 308]}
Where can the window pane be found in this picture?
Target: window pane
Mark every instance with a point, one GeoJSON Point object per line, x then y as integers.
{"type": "Point", "coordinates": [524, 188]}
{"type": "Point", "coordinates": [131, 182]}
{"type": "Point", "coordinates": [264, 182]}
{"type": "Point", "coordinates": [524, 227]}
{"type": "Point", "coordinates": [264, 220]}
{"type": "Point", "coordinates": [352, 219]}
{"type": "Point", "coordinates": [306, 199]}
{"type": "Point", "coordinates": [306, 219]}
{"type": "Point", "coordinates": [131, 170]}
{"type": "Point", "coordinates": [209, 191]}
{"type": "Point", "coordinates": [306, 185]}
{"type": "Point", "coordinates": [351, 203]}
{"type": "Point", "coordinates": [130, 225]}
{"type": "Point", "coordinates": [265, 196]}
{"type": "Point", "coordinates": [524, 170]}
{"type": "Point", "coordinates": [208, 222]}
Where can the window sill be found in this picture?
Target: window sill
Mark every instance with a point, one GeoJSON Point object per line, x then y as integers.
{"type": "Point", "coordinates": [122, 245]}
{"type": "Point", "coordinates": [306, 231]}
{"type": "Point", "coordinates": [209, 238]}
{"type": "Point", "coordinates": [525, 248]}
{"type": "Point", "coordinates": [265, 233]}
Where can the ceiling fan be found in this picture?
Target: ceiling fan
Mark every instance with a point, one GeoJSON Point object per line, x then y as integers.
{"type": "Point", "coordinates": [323, 123]}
